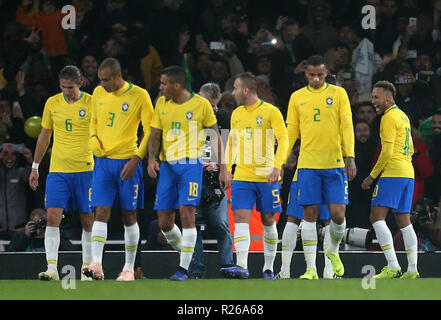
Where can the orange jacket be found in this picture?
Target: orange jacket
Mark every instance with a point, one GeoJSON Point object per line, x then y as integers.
{"type": "Point", "coordinates": [54, 40]}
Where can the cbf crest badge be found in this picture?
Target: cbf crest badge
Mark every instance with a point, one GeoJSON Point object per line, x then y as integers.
{"type": "Point", "coordinates": [259, 120]}
{"type": "Point", "coordinates": [82, 113]}
{"type": "Point", "coordinates": [189, 115]}
{"type": "Point", "coordinates": [125, 106]}
{"type": "Point", "coordinates": [329, 101]}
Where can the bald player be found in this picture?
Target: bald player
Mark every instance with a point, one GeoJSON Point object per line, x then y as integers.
{"type": "Point", "coordinates": [118, 108]}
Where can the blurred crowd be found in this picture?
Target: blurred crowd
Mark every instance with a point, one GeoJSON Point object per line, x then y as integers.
{"type": "Point", "coordinates": [214, 40]}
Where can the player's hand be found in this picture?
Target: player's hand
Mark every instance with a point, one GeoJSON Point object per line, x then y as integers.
{"type": "Point", "coordinates": [225, 178]}
{"type": "Point", "coordinates": [273, 176]}
{"type": "Point", "coordinates": [153, 168]}
{"type": "Point", "coordinates": [129, 168]}
{"type": "Point", "coordinates": [33, 179]}
{"type": "Point", "coordinates": [350, 168]}
{"type": "Point", "coordinates": [366, 184]}
{"type": "Point", "coordinates": [29, 228]}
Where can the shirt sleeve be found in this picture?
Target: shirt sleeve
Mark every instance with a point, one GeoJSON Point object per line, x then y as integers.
{"type": "Point", "coordinates": [232, 145]}
{"type": "Point", "coordinates": [210, 118]}
{"type": "Point", "coordinates": [346, 126]}
{"type": "Point", "coordinates": [156, 119]}
{"type": "Point", "coordinates": [387, 135]}
{"type": "Point", "coordinates": [146, 119]}
{"type": "Point", "coordinates": [46, 121]}
{"type": "Point", "coordinates": [281, 135]}
{"type": "Point", "coordinates": [292, 122]}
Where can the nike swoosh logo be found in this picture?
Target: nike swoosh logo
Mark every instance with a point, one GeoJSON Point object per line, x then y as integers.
{"type": "Point", "coordinates": [163, 113]}
{"type": "Point", "coordinates": [191, 199]}
{"type": "Point", "coordinates": [237, 121]}
{"type": "Point", "coordinates": [101, 103]}
{"type": "Point", "coordinates": [301, 104]}
{"type": "Point", "coordinates": [274, 207]}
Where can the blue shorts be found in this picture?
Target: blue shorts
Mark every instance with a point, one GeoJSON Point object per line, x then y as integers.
{"type": "Point", "coordinates": [395, 193]}
{"type": "Point", "coordinates": [293, 209]}
{"type": "Point", "coordinates": [108, 189]}
{"type": "Point", "coordinates": [65, 189]}
{"type": "Point", "coordinates": [322, 186]}
{"type": "Point", "coordinates": [179, 184]}
{"type": "Point", "coordinates": [246, 194]}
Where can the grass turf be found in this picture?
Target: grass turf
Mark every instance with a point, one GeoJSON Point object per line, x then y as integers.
{"type": "Point", "coordinates": [222, 289]}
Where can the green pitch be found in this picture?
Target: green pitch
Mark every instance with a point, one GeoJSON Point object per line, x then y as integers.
{"type": "Point", "coordinates": [222, 289]}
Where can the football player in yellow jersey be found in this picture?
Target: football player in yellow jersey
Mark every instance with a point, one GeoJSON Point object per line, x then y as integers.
{"type": "Point", "coordinates": [255, 127]}
{"type": "Point", "coordinates": [394, 189]}
{"type": "Point", "coordinates": [179, 120]}
{"type": "Point", "coordinates": [67, 115]}
{"type": "Point", "coordinates": [321, 114]}
{"type": "Point", "coordinates": [118, 108]}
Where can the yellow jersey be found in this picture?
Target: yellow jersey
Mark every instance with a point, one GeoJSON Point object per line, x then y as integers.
{"type": "Point", "coordinates": [116, 117]}
{"type": "Point", "coordinates": [322, 118]}
{"type": "Point", "coordinates": [183, 126]}
{"type": "Point", "coordinates": [395, 130]}
{"type": "Point", "coordinates": [251, 143]}
{"type": "Point", "coordinates": [70, 126]}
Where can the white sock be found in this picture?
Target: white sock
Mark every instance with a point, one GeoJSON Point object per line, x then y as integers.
{"type": "Point", "coordinates": [326, 241]}
{"type": "Point", "coordinates": [131, 238]}
{"type": "Point", "coordinates": [411, 245]}
{"type": "Point", "coordinates": [173, 237]}
{"type": "Point", "coordinates": [270, 239]}
{"type": "Point", "coordinates": [51, 245]}
{"type": "Point", "coordinates": [99, 237]}
{"type": "Point", "coordinates": [336, 232]}
{"type": "Point", "coordinates": [189, 236]}
{"type": "Point", "coordinates": [242, 243]}
{"type": "Point", "coordinates": [385, 240]}
{"type": "Point", "coordinates": [86, 243]}
{"type": "Point", "coordinates": [289, 241]}
{"type": "Point", "coordinates": [309, 241]}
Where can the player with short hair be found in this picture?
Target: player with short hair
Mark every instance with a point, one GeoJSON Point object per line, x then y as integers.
{"type": "Point", "coordinates": [394, 189]}
{"type": "Point", "coordinates": [179, 120]}
{"type": "Point", "coordinates": [321, 114]}
{"type": "Point", "coordinates": [256, 126]}
{"type": "Point", "coordinates": [66, 115]}
{"type": "Point", "coordinates": [118, 107]}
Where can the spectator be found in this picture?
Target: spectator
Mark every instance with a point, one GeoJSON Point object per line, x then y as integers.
{"type": "Point", "coordinates": [365, 111]}
{"type": "Point", "coordinates": [89, 70]}
{"type": "Point", "coordinates": [13, 119]}
{"type": "Point", "coordinates": [422, 164]}
{"type": "Point", "coordinates": [425, 220]}
{"type": "Point", "coordinates": [31, 239]}
{"type": "Point", "coordinates": [296, 47]}
{"type": "Point", "coordinates": [48, 20]}
{"type": "Point", "coordinates": [13, 187]}
{"type": "Point", "coordinates": [358, 210]}
{"type": "Point", "coordinates": [318, 30]}
{"type": "Point", "coordinates": [228, 102]}
{"type": "Point", "coordinates": [433, 184]}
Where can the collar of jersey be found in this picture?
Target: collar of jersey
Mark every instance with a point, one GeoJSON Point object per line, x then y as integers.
{"type": "Point", "coordinates": [126, 87]}
{"type": "Point", "coordinates": [254, 106]}
{"type": "Point", "coordinates": [323, 88]}
{"type": "Point", "coordinates": [81, 95]}
{"type": "Point", "coordinates": [390, 108]}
